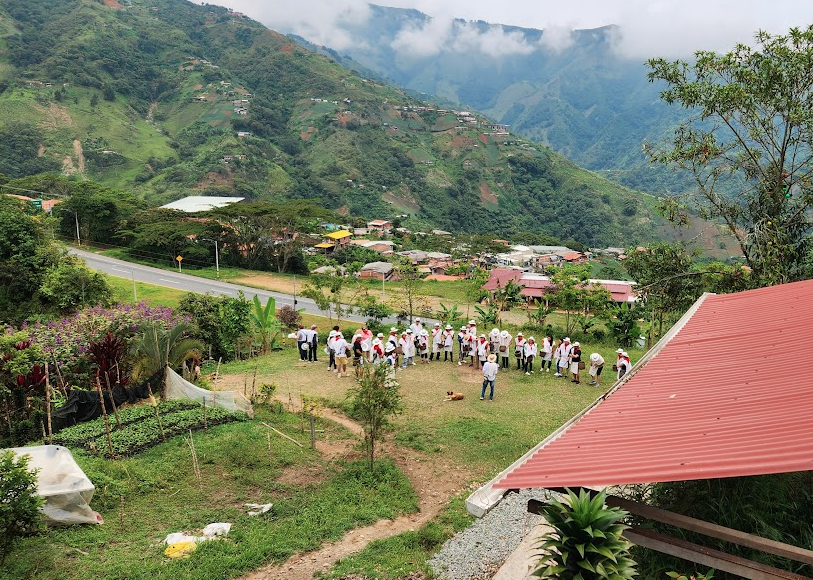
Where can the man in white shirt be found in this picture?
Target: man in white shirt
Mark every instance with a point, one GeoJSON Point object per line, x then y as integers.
{"type": "Point", "coordinates": [596, 366]}
{"type": "Point", "coordinates": [490, 369]}
{"type": "Point", "coordinates": [340, 348]}
{"type": "Point", "coordinates": [437, 342]}
{"type": "Point", "coordinates": [416, 328]}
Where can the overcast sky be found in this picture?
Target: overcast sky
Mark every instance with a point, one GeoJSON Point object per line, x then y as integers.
{"type": "Point", "coordinates": [649, 27]}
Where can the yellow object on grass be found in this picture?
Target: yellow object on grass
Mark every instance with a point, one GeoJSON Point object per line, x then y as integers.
{"type": "Point", "coordinates": [180, 549]}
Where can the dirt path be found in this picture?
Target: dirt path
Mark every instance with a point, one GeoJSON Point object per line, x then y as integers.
{"type": "Point", "coordinates": [434, 484]}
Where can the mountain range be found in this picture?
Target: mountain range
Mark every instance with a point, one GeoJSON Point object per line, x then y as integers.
{"type": "Point", "coordinates": [574, 92]}
{"type": "Point", "coordinates": [167, 98]}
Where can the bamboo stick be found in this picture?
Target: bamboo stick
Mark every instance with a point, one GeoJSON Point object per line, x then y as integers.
{"type": "Point", "coordinates": [48, 405]}
{"type": "Point", "coordinates": [112, 400]}
{"type": "Point", "coordinates": [292, 440]}
{"type": "Point", "coordinates": [106, 420]}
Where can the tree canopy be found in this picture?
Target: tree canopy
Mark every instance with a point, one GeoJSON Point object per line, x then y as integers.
{"type": "Point", "coordinates": [748, 146]}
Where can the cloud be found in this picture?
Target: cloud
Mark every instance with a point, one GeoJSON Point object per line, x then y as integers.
{"type": "Point", "coordinates": [323, 22]}
{"type": "Point", "coordinates": [441, 34]}
{"type": "Point", "coordinates": [648, 28]}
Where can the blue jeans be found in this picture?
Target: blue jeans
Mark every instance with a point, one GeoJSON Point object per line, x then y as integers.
{"type": "Point", "coordinates": [487, 382]}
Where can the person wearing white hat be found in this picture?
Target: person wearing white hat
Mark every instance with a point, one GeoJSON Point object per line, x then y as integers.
{"type": "Point", "coordinates": [391, 359]}
{"type": "Point", "coordinates": [575, 360]}
{"type": "Point", "coordinates": [408, 348]}
{"type": "Point", "coordinates": [494, 341]}
{"type": "Point", "coordinates": [416, 327]}
{"type": "Point", "coordinates": [624, 364]}
{"type": "Point", "coordinates": [530, 355]}
{"type": "Point", "coordinates": [462, 344]}
{"type": "Point", "coordinates": [562, 357]}
{"type": "Point", "coordinates": [547, 353]}
{"type": "Point", "coordinates": [340, 350]}
{"type": "Point", "coordinates": [502, 348]}
{"type": "Point", "coordinates": [377, 349]}
{"type": "Point", "coordinates": [596, 366]}
{"type": "Point", "coordinates": [473, 341]}
{"type": "Point", "coordinates": [490, 370]}
{"type": "Point", "coordinates": [482, 351]}
{"type": "Point", "coordinates": [519, 350]}
{"type": "Point", "coordinates": [437, 341]}
{"type": "Point", "coordinates": [423, 346]}
{"type": "Point", "coordinates": [448, 343]}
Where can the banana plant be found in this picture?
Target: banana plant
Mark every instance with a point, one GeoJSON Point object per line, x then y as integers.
{"type": "Point", "coordinates": [265, 323]}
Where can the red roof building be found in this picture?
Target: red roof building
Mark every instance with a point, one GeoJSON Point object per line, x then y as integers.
{"type": "Point", "coordinates": [727, 392]}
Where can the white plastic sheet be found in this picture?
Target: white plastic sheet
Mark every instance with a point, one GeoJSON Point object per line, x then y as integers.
{"type": "Point", "coordinates": [63, 484]}
{"type": "Point", "coordinates": [179, 388]}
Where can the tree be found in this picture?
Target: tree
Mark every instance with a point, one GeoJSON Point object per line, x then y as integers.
{"type": "Point", "coordinates": [409, 276]}
{"type": "Point", "coordinates": [100, 211]}
{"type": "Point", "coordinates": [70, 285]}
{"type": "Point", "coordinates": [748, 147]}
{"type": "Point", "coordinates": [19, 502]}
{"type": "Point", "coordinates": [508, 296]}
{"type": "Point", "coordinates": [222, 320]}
{"type": "Point", "coordinates": [573, 292]}
{"type": "Point", "coordinates": [26, 254]}
{"type": "Point", "coordinates": [374, 400]}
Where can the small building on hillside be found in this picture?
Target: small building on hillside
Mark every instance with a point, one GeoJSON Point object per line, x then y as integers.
{"type": "Point", "coordinates": [335, 241]}
{"type": "Point", "coordinates": [377, 271]}
{"type": "Point", "coordinates": [383, 226]}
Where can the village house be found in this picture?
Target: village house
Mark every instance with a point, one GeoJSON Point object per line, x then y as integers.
{"type": "Point", "coordinates": [383, 247]}
{"type": "Point", "coordinates": [536, 286]}
{"type": "Point", "coordinates": [383, 226]}
{"type": "Point", "coordinates": [335, 241]}
{"type": "Point", "coordinates": [417, 257]}
{"type": "Point", "coordinates": [377, 271]}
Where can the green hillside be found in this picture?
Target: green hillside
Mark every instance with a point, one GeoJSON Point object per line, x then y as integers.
{"type": "Point", "coordinates": [167, 98]}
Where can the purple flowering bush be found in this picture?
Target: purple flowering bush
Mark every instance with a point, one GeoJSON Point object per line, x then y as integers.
{"type": "Point", "coordinates": [65, 342]}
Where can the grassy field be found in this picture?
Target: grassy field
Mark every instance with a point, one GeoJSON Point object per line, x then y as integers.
{"type": "Point", "coordinates": [485, 437]}
{"type": "Point", "coordinates": [146, 497]}
{"type": "Point", "coordinates": [155, 295]}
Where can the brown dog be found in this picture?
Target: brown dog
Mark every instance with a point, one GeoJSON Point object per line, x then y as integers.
{"type": "Point", "coordinates": [452, 396]}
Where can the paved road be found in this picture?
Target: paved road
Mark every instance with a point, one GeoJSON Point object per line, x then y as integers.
{"type": "Point", "coordinates": [187, 283]}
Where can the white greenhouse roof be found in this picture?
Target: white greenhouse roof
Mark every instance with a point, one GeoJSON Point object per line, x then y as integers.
{"type": "Point", "coordinates": [196, 203]}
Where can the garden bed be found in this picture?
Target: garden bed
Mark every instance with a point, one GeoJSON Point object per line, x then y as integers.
{"type": "Point", "coordinates": [140, 428]}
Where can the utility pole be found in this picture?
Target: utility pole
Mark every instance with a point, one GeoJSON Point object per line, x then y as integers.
{"type": "Point", "coordinates": [217, 262]}
{"type": "Point", "coordinates": [78, 240]}
{"type": "Point", "coordinates": [294, 291]}
{"type": "Point", "coordinates": [135, 297]}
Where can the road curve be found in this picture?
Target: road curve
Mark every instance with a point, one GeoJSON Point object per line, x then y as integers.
{"type": "Point", "coordinates": [187, 283]}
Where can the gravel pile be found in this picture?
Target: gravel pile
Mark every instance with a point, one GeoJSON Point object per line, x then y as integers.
{"type": "Point", "coordinates": [477, 552]}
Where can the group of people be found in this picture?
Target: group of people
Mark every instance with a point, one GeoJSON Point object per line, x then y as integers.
{"type": "Point", "coordinates": [419, 343]}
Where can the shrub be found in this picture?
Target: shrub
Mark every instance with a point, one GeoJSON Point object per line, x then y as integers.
{"type": "Point", "coordinates": [289, 317]}
{"type": "Point", "coordinates": [19, 504]}
{"type": "Point", "coordinates": [586, 541]}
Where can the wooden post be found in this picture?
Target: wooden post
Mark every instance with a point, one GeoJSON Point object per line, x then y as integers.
{"type": "Point", "coordinates": [48, 405]}
{"type": "Point", "coordinates": [195, 464]}
{"type": "Point", "coordinates": [270, 458]}
{"type": "Point", "coordinates": [313, 432]}
{"type": "Point", "coordinates": [205, 426]}
{"type": "Point", "coordinates": [112, 400]}
{"type": "Point", "coordinates": [106, 420]}
{"type": "Point", "coordinates": [217, 371]}
{"type": "Point", "coordinates": [254, 384]}
{"type": "Point", "coordinates": [59, 376]}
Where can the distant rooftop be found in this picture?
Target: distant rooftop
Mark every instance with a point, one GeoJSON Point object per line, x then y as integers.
{"type": "Point", "coordinates": [197, 203]}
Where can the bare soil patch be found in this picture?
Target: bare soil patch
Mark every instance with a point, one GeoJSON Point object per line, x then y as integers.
{"type": "Point", "coordinates": [80, 155]}
{"type": "Point", "coordinates": [111, 4]}
{"type": "Point", "coordinates": [486, 195]}
{"type": "Point", "coordinates": [434, 482]}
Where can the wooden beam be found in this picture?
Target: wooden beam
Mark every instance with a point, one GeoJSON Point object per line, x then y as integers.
{"type": "Point", "coordinates": [713, 530]}
{"type": "Point", "coordinates": [707, 556]}
{"type": "Point", "coordinates": [702, 527]}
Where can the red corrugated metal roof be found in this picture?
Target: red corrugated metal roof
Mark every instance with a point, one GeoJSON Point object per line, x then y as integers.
{"type": "Point", "coordinates": [730, 394]}
{"type": "Point", "coordinates": [499, 277]}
